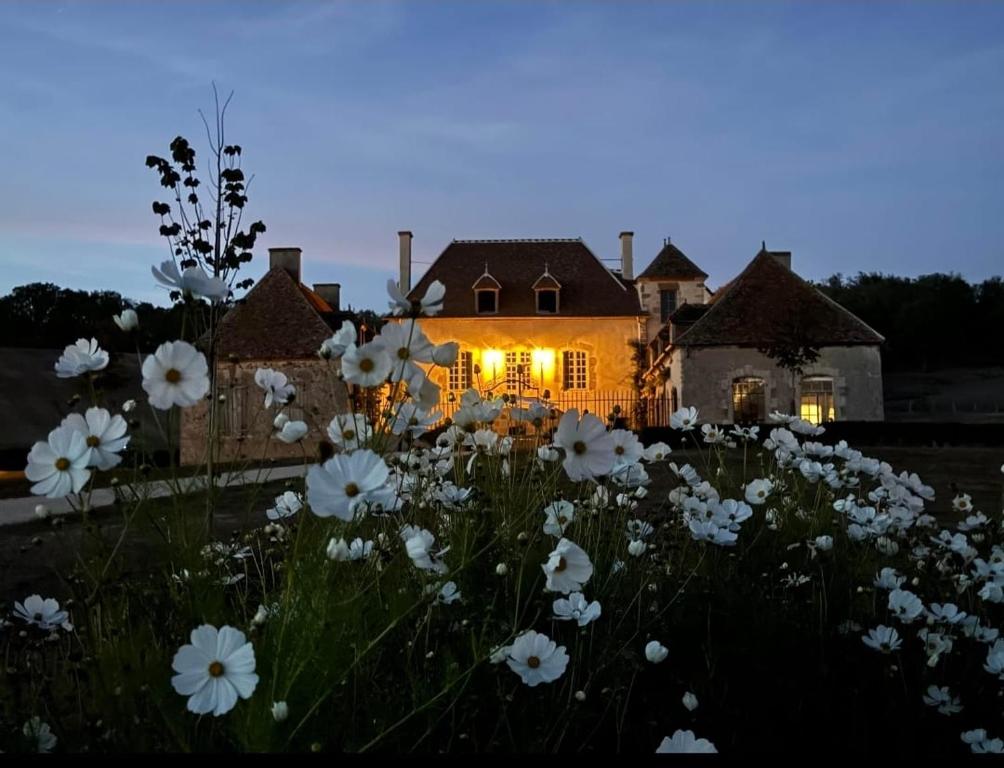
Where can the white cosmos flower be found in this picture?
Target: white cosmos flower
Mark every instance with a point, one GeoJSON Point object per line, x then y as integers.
{"type": "Point", "coordinates": [344, 338]}
{"type": "Point", "coordinates": [656, 652]}
{"type": "Point", "coordinates": [280, 711]}
{"type": "Point", "coordinates": [349, 430]}
{"type": "Point", "coordinates": [889, 579]}
{"type": "Point", "coordinates": [684, 419]}
{"type": "Point", "coordinates": [537, 659]}
{"type": "Point", "coordinates": [905, 605]}
{"type": "Point", "coordinates": [216, 668]}
{"type": "Point", "coordinates": [430, 304]}
{"type": "Point", "coordinates": [367, 366]}
{"type": "Point", "coordinates": [58, 466]}
{"type": "Point", "coordinates": [339, 549]}
{"type": "Point", "coordinates": [685, 742]}
{"type": "Point", "coordinates": [286, 505]}
{"type": "Point", "coordinates": [567, 568]}
{"type": "Point", "coordinates": [637, 548]}
{"type": "Point", "coordinates": [192, 282]}
{"type": "Point", "coordinates": [423, 390]}
{"type": "Point", "coordinates": [293, 431]}
{"type": "Point", "coordinates": [576, 608]}
{"type": "Point", "coordinates": [559, 515]}
{"type": "Point", "coordinates": [942, 699]}
{"type": "Point", "coordinates": [347, 483]}
{"type": "Point", "coordinates": [548, 453]}
{"type": "Point", "coordinates": [882, 638]}
{"type": "Point", "coordinates": [127, 321]}
{"type": "Point", "coordinates": [276, 385]}
{"type": "Point", "coordinates": [445, 355]}
{"type": "Point", "coordinates": [712, 434]}
{"type": "Point", "coordinates": [627, 448]}
{"type": "Point", "coordinates": [589, 448]}
{"type": "Point", "coordinates": [44, 614]}
{"type": "Point", "coordinates": [40, 733]}
{"type": "Point", "coordinates": [419, 544]}
{"type": "Point", "coordinates": [824, 543]}
{"type": "Point", "coordinates": [411, 418]}
{"type": "Point", "coordinates": [757, 491]}
{"type": "Point", "coordinates": [176, 374]}
{"type": "Point", "coordinates": [82, 357]}
{"type": "Point", "coordinates": [448, 593]}
{"type": "Point", "coordinates": [104, 434]}
{"type": "Point", "coordinates": [407, 345]}
{"type": "Point", "coordinates": [657, 452]}
{"type": "Point", "coordinates": [690, 701]}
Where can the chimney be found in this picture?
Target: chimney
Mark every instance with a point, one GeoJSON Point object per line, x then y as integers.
{"type": "Point", "coordinates": [627, 256]}
{"type": "Point", "coordinates": [783, 258]}
{"type": "Point", "coordinates": [287, 258]}
{"type": "Point", "coordinates": [331, 293]}
{"type": "Point", "coordinates": [404, 282]}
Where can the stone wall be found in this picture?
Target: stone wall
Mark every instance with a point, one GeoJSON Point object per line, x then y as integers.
{"type": "Point", "coordinates": [688, 292]}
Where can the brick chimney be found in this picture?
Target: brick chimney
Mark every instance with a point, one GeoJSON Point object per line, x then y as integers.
{"type": "Point", "coordinates": [627, 255]}
{"type": "Point", "coordinates": [287, 258]}
{"type": "Point", "coordinates": [404, 248]}
{"type": "Point", "coordinates": [331, 293]}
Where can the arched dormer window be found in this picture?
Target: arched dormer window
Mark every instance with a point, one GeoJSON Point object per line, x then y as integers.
{"type": "Point", "coordinates": [486, 294]}
{"type": "Point", "coordinates": [547, 289]}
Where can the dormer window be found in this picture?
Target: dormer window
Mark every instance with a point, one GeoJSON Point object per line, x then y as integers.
{"type": "Point", "coordinates": [547, 289]}
{"type": "Point", "coordinates": [486, 294]}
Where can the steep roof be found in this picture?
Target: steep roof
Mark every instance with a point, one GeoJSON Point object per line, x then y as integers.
{"type": "Point", "coordinates": [278, 318]}
{"type": "Point", "coordinates": [672, 264]}
{"type": "Point", "coordinates": [588, 289]}
{"type": "Point", "coordinates": [768, 303]}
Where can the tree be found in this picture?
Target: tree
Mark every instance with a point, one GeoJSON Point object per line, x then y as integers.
{"type": "Point", "coordinates": [791, 350]}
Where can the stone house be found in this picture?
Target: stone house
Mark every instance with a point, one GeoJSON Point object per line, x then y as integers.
{"type": "Point", "coordinates": [279, 324]}
{"type": "Point", "coordinates": [713, 355]}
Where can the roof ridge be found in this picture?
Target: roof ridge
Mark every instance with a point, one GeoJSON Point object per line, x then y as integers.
{"type": "Point", "coordinates": [523, 240]}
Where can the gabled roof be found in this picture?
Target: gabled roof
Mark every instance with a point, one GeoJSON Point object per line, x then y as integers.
{"type": "Point", "coordinates": [672, 264]}
{"type": "Point", "coordinates": [588, 289]}
{"type": "Point", "coordinates": [486, 282]}
{"type": "Point", "coordinates": [279, 318]}
{"type": "Point", "coordinates": [768, 304]}
{"type": "Point", "coordinates": [546, 282]}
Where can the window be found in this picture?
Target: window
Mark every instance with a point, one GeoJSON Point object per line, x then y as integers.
{"type": "Point", "coordinates": [547, 301]}
{"type": "Point", "coordinates": [517, 369]}
{"type": "Point", "coordinates": [487, 302]}
{"type": "Point", "coordinates": [233, 422]}
{"type": "Point", "coordinates": [461, 372]}
{"type": "Point", "coordinates": [575, 365]}
{"type": "Point", "coordinates": [749, 401]}
{"type": "Point", "coordinates": [817, 400]}
{"type": "Point", "coordinates": [667, 303]}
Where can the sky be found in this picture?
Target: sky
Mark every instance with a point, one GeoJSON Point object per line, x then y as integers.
{"type": "Point", "coordinates": [859, 136]}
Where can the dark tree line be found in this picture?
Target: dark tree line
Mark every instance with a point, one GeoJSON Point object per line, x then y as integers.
{"type": "Point", "coordinates": [929, 322]}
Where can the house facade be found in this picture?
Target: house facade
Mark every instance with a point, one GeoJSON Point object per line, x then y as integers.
{"type": "Point", "coordinates": [280, 324]}
{"type": "Point", "coordinates": [723, 355]}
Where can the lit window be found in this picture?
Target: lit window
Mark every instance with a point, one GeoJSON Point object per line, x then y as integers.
{"type": "Point", "coordinates": [461, 372]}
{"type": "Point", "coordinates": [749, 400]}
{"type": "Point", "coordinates": [575, 365]}
{"type": "Point", "coordinates": [547, 301]}
{"type": "Point", "coordinates": [487, 302]}
{"type": "Point", "coordinates": [517, 369]}
{"type": "Point", "coordinates": [817, 400]}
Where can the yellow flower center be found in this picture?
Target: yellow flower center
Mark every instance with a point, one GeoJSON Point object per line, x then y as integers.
{"type": "Point", "coordinates": [562, 565]}
{"type": "Point", "coordinates": [533, 662]}
{"type": "Point", "coordinates": [351, 490]}
{"type": "Point", "coordinates": [349, 434]}
{"type": "Point", "coordinates": [619, 449]}
{"type": "Point", "coordinates": [366, 365]}
{"type": "Point", "coordinates": [579, 447]}
{"type": "Point", "coordinates": [173, 376]}
{"type": "Point", "coordinates": [93, 441]}
{"type": "Point", "coordinates": [216, 669]}
{"type": "Point", "coordinates": [403, 353]}
{"type": "Point", "coordinates": [62, 464]}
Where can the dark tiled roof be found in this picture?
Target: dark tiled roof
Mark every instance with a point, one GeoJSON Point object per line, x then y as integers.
{"type": "Point", "coordinates": [587, 287]}
{"type": "Point", "coordinates": [279, 318]}
{"type": "Point", "coordinates": [688, 314]}
{"type": "Point", "coordinates": [672, 264]}
{"type": "Point", "coordinates": [768, 303]}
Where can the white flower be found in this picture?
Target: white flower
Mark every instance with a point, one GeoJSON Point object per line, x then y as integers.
{"type": "Point", "coordinates": [293, 431]}
{"type": "Point", "coordinates": [445, 355]}
{"type": "Point", "coordinates": [548, 453]}
{"type": "Point", "coordinates": [103, 433]}
{"type": "Point", "coordinates": [684, 418]}
{"type": "Point", "coordinates": [44, 614]}
{"type": "Point", "coordinates": [656, 652]}
{"type": "Point", "coordinates": [905, 605]}
{"type": "Point", "coordinates": [882, 638]}
{"type": "Point", "coordinates": [337, 550]}
{"type": "Point", "coordinates": [500, 654]}
{"type": "Point", "coordinates": [757, 491]}
{"type": "Point", "coordinates": [82, 357]}
{"type": "Point", "coordinates": [430, 304]}
{"type": "Point", "coordinates": [559, 515]}
{"type": "Point", "coordinates": [127, 321]}
{"type": "Point", "coordinates": [58, 466]}
{"type": "Point", "coordinates": [685, 742]}
{"type": "Point", "coordinates": [690, 701]}
{"type": "Point", "coordinates": [588, 446]}
{"type": "Point", "coordinates": [657, 452]}
{"type": "Point", "coordinates": [407, 345]}
{"type": "Point", "coordinates": [367, 366]}
{"type": "Point", "coordinates": [418, 543]}
{"type": "Point", "coordinates": [411, 418]}
{"type": "Point", "coordinates": [280, 711]}
{"type": "Point", "coordinates": [41, 511]}
{"type": "Point", "coordinates": [576, 608]}
{"type": "Point", "coordinates": [501, 569]}
{"type": "Point", "coordinates": [280, 420]}
{"type": "Point", "coordinates": [193, 281]}
{"type": "Point", "coordinates": [286, 505]}
{"type": "Point", "coordinates": [216, 668]}
{"type": "Point", "coordinates": [637, 548]}
{"type": "Point", "coordinates": [176, 374]}
{"type": "Point", "coordinates": [40, 733]}
{"type": "Point", "coordinates": [537, 659]}
{"type": "Point", "coordinates": [128, 406]}
{"type": "Point", "coordinates": [889, 579]}
{"type": "Point", "coordinates": [342, 551]}
{"type": "Point", "coordinates": [824, 543]}
{"type": "Point", "coordinates": [260, 616]}
{"type": "Point", "coordinates": [712, 434]}
{"type": "Point", "coordinates": [942, 699]}
{"type": "Point", "coordinates": [344, 338]}
{"type": "Point", "coordinates": [423, 390]}
{"type": "Point", "coordinates": [349, 430]}
{"type": "Point", "coordinates": [567, 568]}
{"type": "Point", "coordinates": [276, 385]}
{"type": "Point", "coordinates": [346, 483]}
{"type": "Point", "coordinates": [627, 448]}
{"type": "Point", "coordinates": [448, 593]}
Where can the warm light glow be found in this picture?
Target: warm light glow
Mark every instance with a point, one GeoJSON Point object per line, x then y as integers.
{"type": "Point", "coordinates": [812, 412]}
{"type": "Point", "coordinates": [492, 363]}
{"type": "Point", "coordinates": [543, 364]}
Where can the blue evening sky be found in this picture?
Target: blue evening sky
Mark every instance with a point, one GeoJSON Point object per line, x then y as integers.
{"type": "Point", "coordinates": [860, 136]}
